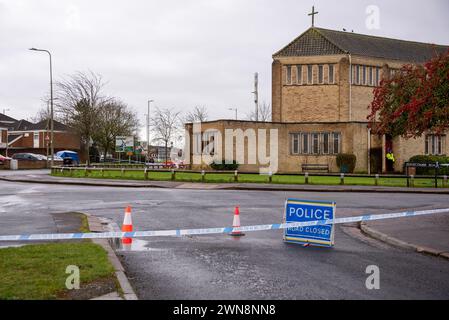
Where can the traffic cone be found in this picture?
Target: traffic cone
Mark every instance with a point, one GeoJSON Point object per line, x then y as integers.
{"type": "Point", "coordinates": [236, 223]}
{"type": "Point", "coordinates": [127, 227]}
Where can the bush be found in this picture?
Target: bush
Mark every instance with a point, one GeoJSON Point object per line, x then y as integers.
{"type": "Point", "coordinates": [346, 162]}
{"type": "Point", "coordinates": [224, 166]}
{"type": "Point", "coordinates": [430, 159]}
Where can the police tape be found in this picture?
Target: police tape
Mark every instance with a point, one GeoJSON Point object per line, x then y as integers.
{"type": "Point", "coordinates": [189, 232]}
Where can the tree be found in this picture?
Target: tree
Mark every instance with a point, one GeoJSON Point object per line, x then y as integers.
{"type": "Point", "coordinates": [264, 113]}
{"type": "Point", "coordinates": [198, 114]}
{"type": "Point", "coordinates": [114, 118]}
{"type": "Point", "coordinates": [79, 100]}
{"type": "Point", "coordinates": [413, 101]}
{"type": "Point", "coordinates": [166, 124]}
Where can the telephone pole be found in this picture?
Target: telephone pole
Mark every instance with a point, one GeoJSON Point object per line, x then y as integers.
{"type": "Point", "coordinates": [256, 94]}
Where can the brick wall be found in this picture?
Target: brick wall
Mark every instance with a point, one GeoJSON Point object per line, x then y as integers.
{"type": "Point", "coordinates": [354, 139]}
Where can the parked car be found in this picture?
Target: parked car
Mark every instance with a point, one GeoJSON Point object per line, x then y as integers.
{"type": "Point", "coordinates": [3, 159]}
{"type": "Point", "coordinates": [26, 156]}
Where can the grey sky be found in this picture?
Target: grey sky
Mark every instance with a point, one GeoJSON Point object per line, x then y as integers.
{"type": "Point", "coordinates": [181, 53]}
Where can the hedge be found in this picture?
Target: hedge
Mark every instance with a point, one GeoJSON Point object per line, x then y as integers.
{"type": "Point", "coordinates": [346, 162]}
{"type": "Point", "coordinates": [223, 166]}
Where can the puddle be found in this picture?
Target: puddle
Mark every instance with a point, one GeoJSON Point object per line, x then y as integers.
{"type": "Point", "coordinates": [137, 245]}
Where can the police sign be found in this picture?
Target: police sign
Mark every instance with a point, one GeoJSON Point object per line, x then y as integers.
{"type": "Point", "coordinates": [305, 211]}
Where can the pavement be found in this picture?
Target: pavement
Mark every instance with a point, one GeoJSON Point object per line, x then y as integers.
{"type": "Point", "coordinates": [256, 266]}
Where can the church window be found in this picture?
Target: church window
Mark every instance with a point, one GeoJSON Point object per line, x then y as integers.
{"type": "Point", "coordinates": [310, 74]}
{"type": "Point", "coordinates": [370, 76]}
{"type": "Point", "coordinates": [299, 74]}
{"type": "Point", "coordinates": [377, 76]}
{"type": "Point", "coordinates": [331, 74]}
{"type": "Point", "coordinates": [305, 143]}
{"type": "Point", "coordinates": [315, 143]}
{"type": "Point", "coordinates": [336, 142]}
{"type": "Point", "coordinates": [296, 143]}
{"type": "Point", "coordinates": [289, 74]}
{"type": "Point", "coordinates": [434, 144]}
{"type": "Point", "coordinates": [363, 75]}
{"type": "Point", "coordinates": [357, 74]}
{"type": "Point", "coordinates": [325, 139]}
{"type": "Point", "coordinates": [320, 74]}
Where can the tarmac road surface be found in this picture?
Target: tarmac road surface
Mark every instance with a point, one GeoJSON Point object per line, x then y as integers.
{"type": "Point", "coordinates": [256, 266]}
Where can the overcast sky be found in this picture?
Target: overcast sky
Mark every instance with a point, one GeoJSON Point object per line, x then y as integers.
{"type": "Point", "coordinates": [181, 53]}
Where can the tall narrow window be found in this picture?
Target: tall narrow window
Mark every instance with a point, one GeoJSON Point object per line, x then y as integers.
{"type": "Point", "coordinates": [363, 75]}
{"type": "Point", "coordinates": [320, 74]}
{"type": "Point", "coordinates": [295, 143]}
{"type": "Point", "coordinates": [36, 140]}
{"type": "Point", "coordinates": [299, 74]}
{"type": "Point", "coordinates": [315, 143]}
{"type": "Point", "coordinates": [331, 74]}
{"type": "Point", "coordinates": [336, 142]}
{"type": "Point", "coordinates": [197, 144]}
{"type": "Point", "coordinates": [289, 74]}
{"type": "Point", "coordinates": [310, 74]}
{"type": "Point", "coordinates": [377, 76]}
{"type": "Point", "coordinates": [325, 142]}
{"type": "Point", "coordinates": [370, 76]}
{"type": "Point", "coordinates": [305, 143]}
{"type": "Point", "coordinates": [357, 74]}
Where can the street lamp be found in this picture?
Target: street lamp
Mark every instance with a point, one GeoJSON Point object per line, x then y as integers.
{"type": "Point", "coordinates": [148, 129]}
{"type": "Point", "coordinates": [234, 109]}
{"type": "Point", "coordinates": [51, 108]}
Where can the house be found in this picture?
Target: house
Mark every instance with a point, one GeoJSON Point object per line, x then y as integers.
{"type": "Point", "coordinates": [322, 85]}
{"type": "Point", "coordinates": [24, 136]}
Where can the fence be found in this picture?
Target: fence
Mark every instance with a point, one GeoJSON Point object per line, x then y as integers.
{"type": "Point", "coordinates": [236, 176]}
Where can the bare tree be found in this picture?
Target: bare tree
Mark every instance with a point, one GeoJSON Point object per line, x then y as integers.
{"type": "Point", "coordinates": [114, 118]}
{"type": "Point", "coordinates": [198, 114]}
{"type": "Point", "coordinates": [79, 99]}
{"type": "Point", "coordinates": [43, 114]}
{"type": "Point", "coordinates": [166, 124]}
{"type": "Point", "coordinates": [264, 113]}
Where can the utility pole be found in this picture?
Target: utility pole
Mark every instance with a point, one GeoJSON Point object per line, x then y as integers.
{"type": "Point", "coordinates": [256, 94]}
{"type": "Point", "coordinates": [235, 110]}
{"type": "Point", "coordinates": [148, 129]}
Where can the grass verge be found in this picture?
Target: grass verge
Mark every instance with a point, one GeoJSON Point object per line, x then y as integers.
{"type": "Point", "coordinates": [248, 178]}
{"type": "Point", "coordinates": [39, 271]}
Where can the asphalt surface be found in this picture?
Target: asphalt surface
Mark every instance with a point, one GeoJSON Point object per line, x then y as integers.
{"type": "Point", "coordinates": [257, 266]}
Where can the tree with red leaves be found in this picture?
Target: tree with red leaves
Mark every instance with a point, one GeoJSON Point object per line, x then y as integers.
{"type": "Point", "coordinates": [413, 101]}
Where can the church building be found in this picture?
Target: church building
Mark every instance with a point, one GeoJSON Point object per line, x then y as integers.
{"type": "Point", "coordinates": [322, 86]}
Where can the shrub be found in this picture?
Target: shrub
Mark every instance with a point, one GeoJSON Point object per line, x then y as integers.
{"type": "Point", "coordinates": [430, 159]}
{"type": "Point", "coordinates": [346, 162]}
{"type": "Point", "coordinates": [224, 166]}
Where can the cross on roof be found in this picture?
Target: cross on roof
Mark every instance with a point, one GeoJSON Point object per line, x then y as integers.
{"type": "Point", "coordinates": [313, 13]}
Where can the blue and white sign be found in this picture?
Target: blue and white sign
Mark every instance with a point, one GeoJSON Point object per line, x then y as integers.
{"type": "Point", "coordinates": [306, 211]}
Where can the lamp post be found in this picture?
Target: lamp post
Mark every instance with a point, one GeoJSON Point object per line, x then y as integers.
{"type": "Point", "coordinates": [51, 107]}
{"type": "Point", "coordinates": [148, 129]}
{"type": "Point", "coordinates": [234, 109]}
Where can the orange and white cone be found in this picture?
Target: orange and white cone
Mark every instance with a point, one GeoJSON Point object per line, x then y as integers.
{"type": "Point", "coordinates": [236, 223]}
{"type": "Point", "coordinates": [127, 227]}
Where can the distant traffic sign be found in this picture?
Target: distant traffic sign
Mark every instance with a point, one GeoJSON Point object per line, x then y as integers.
{"type": "Point", "coordinates": [303, 211]}
{"type": "Point", "coordinates": [124, 144]}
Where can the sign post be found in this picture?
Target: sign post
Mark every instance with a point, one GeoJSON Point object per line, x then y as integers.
{"type": "Point", "coordinates": [306, 211]}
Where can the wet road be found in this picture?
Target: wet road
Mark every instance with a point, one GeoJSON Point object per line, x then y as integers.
{"type": "Point", "coordinates": [257, 266]}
